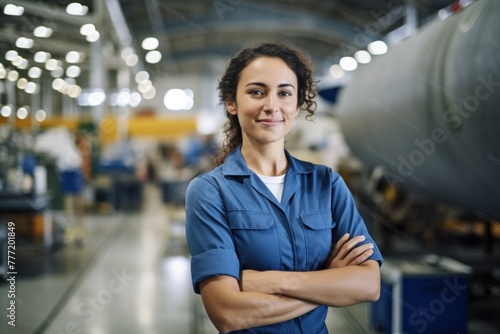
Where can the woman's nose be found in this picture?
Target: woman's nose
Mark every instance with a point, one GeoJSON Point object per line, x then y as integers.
{"type": "Point", "coordinates": [271, 104]}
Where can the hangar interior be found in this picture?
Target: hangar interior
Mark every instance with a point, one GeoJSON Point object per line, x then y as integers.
{"type": "Point", "coordinates": [108, 108]}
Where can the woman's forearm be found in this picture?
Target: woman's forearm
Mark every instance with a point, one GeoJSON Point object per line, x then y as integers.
{"type": "Point", "coordinates": [231, 309]}
{"type": "Point", "coordinates": [342, 286]}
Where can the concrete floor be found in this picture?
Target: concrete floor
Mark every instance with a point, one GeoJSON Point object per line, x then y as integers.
{"type": "Point", "coordinates": [131, 276]}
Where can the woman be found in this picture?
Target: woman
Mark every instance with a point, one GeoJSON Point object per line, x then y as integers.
{"type": "Point", "coordinates": [270, 235]}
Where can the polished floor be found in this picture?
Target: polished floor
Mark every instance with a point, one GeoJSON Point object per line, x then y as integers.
{"type": "Point", "coordinates": [131, 276]}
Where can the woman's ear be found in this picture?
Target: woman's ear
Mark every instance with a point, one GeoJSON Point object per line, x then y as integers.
{"type": "Point", "coordinates": [231, 107]}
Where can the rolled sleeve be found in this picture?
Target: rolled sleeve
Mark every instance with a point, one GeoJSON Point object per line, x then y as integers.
{"type": "Point", "coordinates": [208, 235]}
{"type": "Point", "coordinates": [348, 218]}
{"type": "Point", "coordinates": [214, 262]}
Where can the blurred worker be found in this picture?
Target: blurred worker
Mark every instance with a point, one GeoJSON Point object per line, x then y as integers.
{"type": "Point", "coordinates": [274, 240]}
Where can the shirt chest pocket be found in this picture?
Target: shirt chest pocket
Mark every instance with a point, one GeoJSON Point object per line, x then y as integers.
{"type": "Point", "coordinates": [256, 240]}
{"type": "Point", "coordinates": [318, 230]}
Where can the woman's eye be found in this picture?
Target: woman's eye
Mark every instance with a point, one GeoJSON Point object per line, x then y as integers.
{"type": "Point", "coordinates": [285, 93]}
{"type": "Point", "coordinates": [255, 92]}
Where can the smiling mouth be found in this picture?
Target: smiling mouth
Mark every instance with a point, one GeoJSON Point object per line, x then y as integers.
{"type": "Point", "coordinates": [270, 121]}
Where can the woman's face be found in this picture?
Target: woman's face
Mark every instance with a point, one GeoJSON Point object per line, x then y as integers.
{"type": "Point", "coordinates": [266, 101]}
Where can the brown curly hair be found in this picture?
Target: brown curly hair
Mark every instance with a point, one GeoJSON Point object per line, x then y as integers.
{"type": "Point", "coordinates": [228, 84]}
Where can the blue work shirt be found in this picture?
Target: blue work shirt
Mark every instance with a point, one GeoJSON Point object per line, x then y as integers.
{"type": "Point", "coordinates": [234, 222]}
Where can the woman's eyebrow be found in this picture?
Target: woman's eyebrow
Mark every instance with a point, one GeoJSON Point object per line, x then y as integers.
{"type": "Point", "coordinates": [261, 84]}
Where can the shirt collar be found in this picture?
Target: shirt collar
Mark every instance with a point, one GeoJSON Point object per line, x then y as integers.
{"type": "Point", "coordinates": [235, 164]}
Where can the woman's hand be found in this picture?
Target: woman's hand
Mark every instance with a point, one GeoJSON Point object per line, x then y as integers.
{"type": "Point", "coordinates": [345, 253]}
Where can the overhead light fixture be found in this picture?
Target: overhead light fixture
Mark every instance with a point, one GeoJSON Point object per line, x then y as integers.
{"type": "Point", "coordinates": [150, 43]}
{"type": "Point", "coordinates": [87, 29]}
{"type": "Point", "coordinates": [363, 57]}
{"type": "Point", "coordinates": [21, 83]}
{"type": "Point", "coordinates": [74, 57]}
{"type": "Point", "coordinates": [348, 63]}
{"type": "Point", "coordinates": [74, 91]}
{"type": "Point", "coordinates": [52, 64]}
{"type": "Point", "coordinates": [93, 37]}
{"type": "Point", "coordinates": [57, 72]}
{"type": "Point", "coordinates": [131, 60]}
{"type": "Point", "coordinates": [73, 71]}
{"type": "Point", "coordinates": [12, 76]}
{"type": "Point", "coordinates": [178, 99]}
{"type": "Point", "coordinates": [40, 115]}
{"type": "Point", "coordinates": [150, 94]}
{"type": "Point", "coordinates": [141, 76]}
{"type": "Point", "coordinates": [42, 32]}
{"type": "Point", "coordinates": [11, 55]}
{"type": "Point", "coordinates": [34, 72]}
{"type": "Point", "coordinates": [377, 48]}
{"type": "Point", "coordinates": [76, 9]}
{"type": "Point", "coordinates": [22, 112]}
{"type": "Point", "coordinates": [6, 111]}
{"type": "Point", "coordinates": [153, 57]}
{"type": "Point", "coordinates": [13, 10]}
{"type": "Point", "coordinates": [336, 71]}
{"type": "Point", "coordinates": [24, 43]}
{"type": "Point", "coordinates": [41, 57]}
{"type": "Point", "coordinates": [32, 87]}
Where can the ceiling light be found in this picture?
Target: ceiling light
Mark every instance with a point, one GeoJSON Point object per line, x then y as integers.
{"type": "Point", "coordinates": [73, 71]}
{"type": "Point", "coordinates": [150, 43]}
{"type": "Point", "coordinates": [336, 71]}
{"type": "Point", "coordinates": [34, 72]}
{"type": "Point", "coordinates": [177, 99]}
{"type": "Point", "coordinates": [58, 84]}
{"type": "Point", "coordinates": [377, 48]}
{"type": "Point", "coordinates": [51, 64]}
{"type": "Point", "coordinates": [153, 57]}
{"type": "Point", "coordinates": [17, 61]}
{"type": "Point", "coordinates": [11, 55]}
{"type": "Point", "coordinates": [40, 115]}
{"type": "Point", "coordinates": [41, 57]}
{"type": "Point", "coordinates": [13, 10]}
{"type": "Point", "coordinates": [42, 32]}
{"type": "Point", "coordinates": [131, 60]}
{"type": "Point", "coordinates": [149, 94]}
{"type": "Point", "coordinates": [93, 37]}
{"type": "Point", "coordinates": [57, 72]}
{"type": "Point", "coordinates": [32, 88]}
{"type": "Point", "coordinates": [348, 63]}
{"type": "Point", "coordinates": [141, 76]}
{"type": "Point", "coordinates": [87, 29]}
{"type": "Point", "coordinates": [363, 57]}
{"type": "Point", "coordinates": [6, 111]}
{"type": "Point", "coordinates": [73, 57]}
{"type": "Point", "coordinates": [12, 76]}
{"type": "Point", "coordinates": [135, 99]}
{"type": "Point", "coordinates": [21, 83]}
{"type": "Point", "coordinates": [23, 64]}
{"type": "Point", "coordinates": [22, 112]}
{"type": "Point", "coordinates": [24, 43]}
{"type": "Point", "coordinates": [74, 91]}
{"type": "Point", "coordinates": [77, 9]}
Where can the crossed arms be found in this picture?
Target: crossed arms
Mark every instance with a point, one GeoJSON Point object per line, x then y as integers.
{"type": "Point", "coordinates": [268, 297]}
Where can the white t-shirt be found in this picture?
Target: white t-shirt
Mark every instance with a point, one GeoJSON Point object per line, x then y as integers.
{"type": "Point", "coordinates": [275, 184]}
